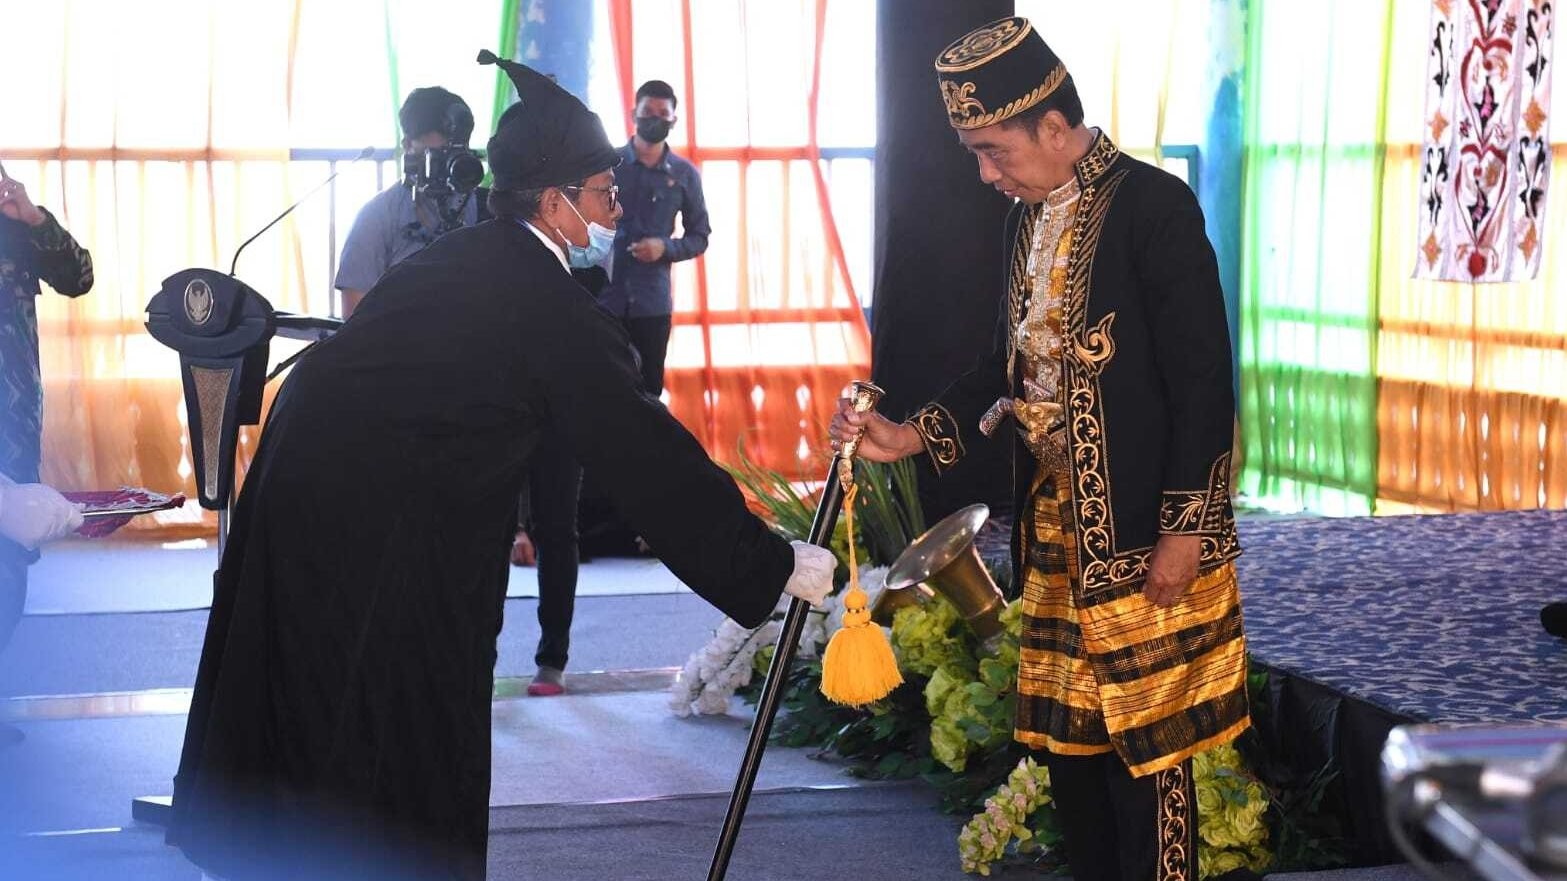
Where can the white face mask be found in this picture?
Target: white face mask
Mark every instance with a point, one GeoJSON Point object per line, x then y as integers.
{"type": "Point", "coordinates": [601, 239]}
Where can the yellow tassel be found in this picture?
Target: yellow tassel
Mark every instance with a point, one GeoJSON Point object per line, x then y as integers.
{"type": "Point", "coordinates": [859, 667]}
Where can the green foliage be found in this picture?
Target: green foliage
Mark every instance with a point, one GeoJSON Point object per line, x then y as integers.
{"type": "Point", "coordinates": [1302, 823]}
{"type": "Point", "coordinates": [783, 505]}
{"type": "Point", "coordinates": [970, 697]}
{"type": "Point", "coordinates": [931, 636]}
{"type": "Point", "coordinates": [887, 511]}
{"type": "Point", "coordinates": [889, 740]}
{"type": "Point", "coordinates": [951, 724]}
{"type": "Point", "coordinates": [1231, 831]}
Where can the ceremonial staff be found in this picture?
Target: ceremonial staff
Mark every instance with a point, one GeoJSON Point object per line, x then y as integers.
{"type": "Point", "coordinates": [840, 477]}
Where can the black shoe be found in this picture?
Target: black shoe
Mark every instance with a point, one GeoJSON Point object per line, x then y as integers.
{"type": "Point", "coordinates": [10, 735]}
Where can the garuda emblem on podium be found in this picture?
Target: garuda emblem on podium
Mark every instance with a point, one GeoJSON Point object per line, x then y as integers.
{"type": "Point", "coordinates": [198, 302]}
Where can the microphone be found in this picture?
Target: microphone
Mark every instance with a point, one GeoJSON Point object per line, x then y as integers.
{"type": "Point", "coordinates": [1554, 618]}
{"type": "Point", "coordinates": [366, 153]}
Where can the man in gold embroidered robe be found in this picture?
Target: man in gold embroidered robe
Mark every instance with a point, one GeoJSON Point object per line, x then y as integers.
{"type": "Point", "coordinates": [1112, 368]}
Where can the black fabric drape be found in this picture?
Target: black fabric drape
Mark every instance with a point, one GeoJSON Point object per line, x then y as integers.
{"type": "Point", "coordinates": [1304, 726]}
{"type": "Point", "coordinates": [938, 247]}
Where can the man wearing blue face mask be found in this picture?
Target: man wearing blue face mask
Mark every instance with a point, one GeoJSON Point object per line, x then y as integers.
{"type": "Point", "coordinates": [340, 722]}
{"type": "Point", "coordinates": [655, 185]}
{"type": "Point", "coordinates": [600, 238]}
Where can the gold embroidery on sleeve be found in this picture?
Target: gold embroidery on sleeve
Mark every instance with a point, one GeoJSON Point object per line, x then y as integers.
{"type": "Point", "coordinates": [940, 432]}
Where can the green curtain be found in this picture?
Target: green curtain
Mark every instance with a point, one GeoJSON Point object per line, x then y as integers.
{"type": "Point", "coordinates": [1316, 121]}
{"type": "Point", "coordinates": [506, 47]}
{"type": "Point", "coordinates": [392, 72]}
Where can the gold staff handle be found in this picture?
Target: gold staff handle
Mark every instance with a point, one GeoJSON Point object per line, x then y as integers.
{"type": "Point", "coordinates": [864, 397]}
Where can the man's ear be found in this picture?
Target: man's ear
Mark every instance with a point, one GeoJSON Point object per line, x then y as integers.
{"type": "Point", "coordinates": [1053, 128]}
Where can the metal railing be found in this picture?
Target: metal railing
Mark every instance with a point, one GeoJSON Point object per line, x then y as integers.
{"type": "Point", "coordinates": [386, 170]}
{"type": "Point", "coordinates": [1185, 164]}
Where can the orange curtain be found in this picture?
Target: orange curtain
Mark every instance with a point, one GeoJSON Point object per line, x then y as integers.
{"type": "Point", "coordinates": [767, 327]}
{"type": "Point", "coordinates": [163, 142]}
{"type": "Point", "coordinates": [620, 26]}
{"type": "Point", "coordinates": [171, 158]}
{"type": "Point", "coordinates": [145, 192]}
{"type": "Point", "coordinates": [1472, 405]}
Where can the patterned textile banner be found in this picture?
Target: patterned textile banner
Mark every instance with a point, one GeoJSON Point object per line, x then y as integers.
{"type": "Point", "coordinates": [1487, 153]}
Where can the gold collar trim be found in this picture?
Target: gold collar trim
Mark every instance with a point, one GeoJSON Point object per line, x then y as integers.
{"type": "Point", "coordinates": [1100, 156]}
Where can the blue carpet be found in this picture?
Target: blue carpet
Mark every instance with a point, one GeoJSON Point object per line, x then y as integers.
{"type": "Point", "coordinates": [1435, 618]}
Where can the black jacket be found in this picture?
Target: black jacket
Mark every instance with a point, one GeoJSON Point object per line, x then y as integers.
{"type": "Point", "coordinates": [1148, 374]}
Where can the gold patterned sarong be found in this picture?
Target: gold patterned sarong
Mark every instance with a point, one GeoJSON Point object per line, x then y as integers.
{"type": "Point", "coordinates": [1114, 672]}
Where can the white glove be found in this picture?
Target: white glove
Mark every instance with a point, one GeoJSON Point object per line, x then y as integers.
{"type": "Point", "coordinates": [812, 578]}
{"type": "Point", "coordinates": [31, 514]}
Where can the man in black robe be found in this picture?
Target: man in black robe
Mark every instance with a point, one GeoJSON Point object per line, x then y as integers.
{"type": "Point", "coordinates": [340, 726]}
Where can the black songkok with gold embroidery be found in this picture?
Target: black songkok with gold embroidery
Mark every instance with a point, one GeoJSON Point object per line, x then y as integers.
{"type": "Point", "coordinates": [995, 72]}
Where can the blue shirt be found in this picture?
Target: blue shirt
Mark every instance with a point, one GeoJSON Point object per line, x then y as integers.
{"type": "Point", "coordinates": [651, 198]}
{"type": "Point", "coordinates": [387, 231]}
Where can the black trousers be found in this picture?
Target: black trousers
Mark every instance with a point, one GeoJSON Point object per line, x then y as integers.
{"type": "Point", "coordinates": [1124, 828]}
{"type": "Point", "coordinates": [554, 480]}
{"type": "Point", "coordinates": [13, 593]}
{"type": "Point", "coordinates": [650, 335]}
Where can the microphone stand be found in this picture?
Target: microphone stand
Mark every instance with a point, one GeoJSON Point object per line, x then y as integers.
{"type": "Point", "coordinates": [363, 154]}
{"type": "Point", "coordinates": [228, 510]}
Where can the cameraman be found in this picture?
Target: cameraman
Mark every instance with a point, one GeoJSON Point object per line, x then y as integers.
{"type": "Point", "coordinates": [429, 202]}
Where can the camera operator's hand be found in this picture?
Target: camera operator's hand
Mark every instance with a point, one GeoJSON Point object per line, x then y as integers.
{"type": "Point", "coordinates": [649, 250]}
{"type": "Point", "coordinates": [15, 204]}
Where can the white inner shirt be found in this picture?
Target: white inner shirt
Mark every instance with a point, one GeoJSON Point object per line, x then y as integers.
{"type": "Point", "coordinates": [549, 243]}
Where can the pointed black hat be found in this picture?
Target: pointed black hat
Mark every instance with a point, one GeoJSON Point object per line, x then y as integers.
{"type": "Point", "coordinates": [546, 139]}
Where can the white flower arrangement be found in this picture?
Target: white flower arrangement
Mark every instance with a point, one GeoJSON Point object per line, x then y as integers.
{"type": "Point", "coordinates": [712, 675]}
{"type": "Point", "coordinates": [822, 623]}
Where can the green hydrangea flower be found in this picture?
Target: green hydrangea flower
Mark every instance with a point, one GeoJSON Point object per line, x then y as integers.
{"type": "Point", "coordinates": [929, 635]}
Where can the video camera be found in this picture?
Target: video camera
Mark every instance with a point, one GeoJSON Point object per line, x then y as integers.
{"type": "Point", "coordinates": [441, 172]}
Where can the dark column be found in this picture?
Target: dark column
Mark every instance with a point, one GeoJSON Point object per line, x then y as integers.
{"type": "Point", "coordinates": [938, 249]}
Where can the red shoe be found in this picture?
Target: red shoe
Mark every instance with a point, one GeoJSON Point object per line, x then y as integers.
{"type": "Point", "coordinates": [548, 682]}
{"type": "Point", "coordinates": [522, 553]}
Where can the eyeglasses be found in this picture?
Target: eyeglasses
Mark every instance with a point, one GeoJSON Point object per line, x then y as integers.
{"type": "Point", "coordinates": [611, 192]}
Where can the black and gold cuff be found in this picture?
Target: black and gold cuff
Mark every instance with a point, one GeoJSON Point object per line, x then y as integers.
{"type": "Point", "coordinates": [939, 431]}
{"type": "Point", "coordinates": [1199, 511]}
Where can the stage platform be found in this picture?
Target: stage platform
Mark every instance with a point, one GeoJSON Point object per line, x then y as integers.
{"type": "Point", "coordinates": [1366, 623]}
